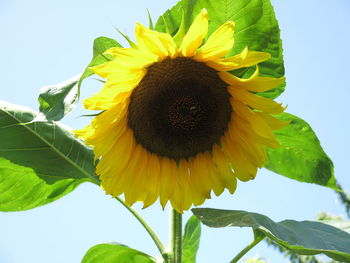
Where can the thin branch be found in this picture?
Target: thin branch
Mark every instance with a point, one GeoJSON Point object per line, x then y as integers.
{"type": "Point", "coordinates": [247, 248]}
{"type": "Point", "coordinates": [149, 230]}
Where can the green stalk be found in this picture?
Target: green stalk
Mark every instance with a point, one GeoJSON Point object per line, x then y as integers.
{"type": "Point", "coordinates": [175, 236]}
{"type": "Point", "coordinates": [246, 249]}
{"type": "Point", "coordinates": [149, 230]}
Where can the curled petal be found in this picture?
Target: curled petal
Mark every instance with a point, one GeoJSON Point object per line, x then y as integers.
{"type": "Point", "coordinates": [244, 59]}
{"type": "Point", "coordinates": [155, 44]}
{"type": "Point", "coordinates": [256, 102]}
{"type": "Point", "coordinates": [218, 44]}
{"type": "Point", "coordinates": [273, 122]}
{"type": "Point", "coordinates": [254, 83]}
{"type": "Point", "coordinates": [195, 35]}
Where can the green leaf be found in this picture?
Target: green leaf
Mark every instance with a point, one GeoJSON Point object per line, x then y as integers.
{"type": "Point", "coordinates": [58, 100]}
{"type": "Point", "coordinates": [256, 28]}
{"type": "Point", "coordinates": [50, 150]}
{"type": "Point", "coordinates": [191, 240]}
{"type": "Point", "coordinates": [101, 44]}
{"type": "Point", "coordinates": [113, 253]}
{"type": "Point", "coordinates": [306, 237]}
{"type": "Point", "coordinates": [21, 188]}
{"type": "Point", "coordinates": [300, 155]}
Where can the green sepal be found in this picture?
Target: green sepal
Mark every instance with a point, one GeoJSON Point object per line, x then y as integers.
{"type": "Point", "coordinates": [150, 21]}
{"type": "Point", "coordinates": [166, 26]}
{"type": "Point", "coordinates": [131, 43]}
{"type": "Point", "coordinates": [181, 32]}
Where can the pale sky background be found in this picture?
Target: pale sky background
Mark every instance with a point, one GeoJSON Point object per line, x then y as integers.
{"type": "Point", "coordinates": [44, 42]}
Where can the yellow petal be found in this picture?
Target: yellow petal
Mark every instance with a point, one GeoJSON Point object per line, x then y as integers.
{"type": "Point", "coordinates": [154, 44]}
{"type": "Point", "coordinates": [134, 177]}
{"type": "Point", "coordinates": [168, 179]}
{"type": "Point", "coordinates": [235, 81]}
{"type": "Point", "coordinates": [129, 57]}
{"type": "Point", "coordinates": [222, 163]}
{"type": "Point", "coordinates": [198, 182]}
{"type": "Point", "coordinates": [152, 182]}
{"type": "Point", "coordinates": [245, 175]}
{"type": "Point", "coordinates": [107, 126]}
{"type": "Point", "coordinates": [250, 160]}
{"type": "Point", "coordinates": [176, 200]}
{"type": "Point", "coordinates": [273, 122]}
{"type": "Point", "coordinates": [111, 167]}
{"type": "Point", "coordinates": [183, 194]}
{"type": "Point", "coordinates": [200, 178]}
{"type": "Point", "coordinates": [253, 83]}
{"type": "Point", "coordinates": [218, 183]}
{"type": "Point", "coordinates": [112, 67]}
{"type": "Point", "coordinates": [252, 58]}
{"type": "Point", "coordinates": [242, 167]}
{"type": "Point", "coordinates": [249, 147]}
{"type": "Point", "coordinates": [105, 99]}
{"type": "Point", "coordinates": [110, 134]}
{"type": "Point", "coordinates": [255, 135]}
{"type": "Point", "coordinates": [125, 81]}
{"type": "Point", "coordinates": [218, 44]}
{"type": "Point", "coordinates": [244, 59]}
{"type": "Point", "coordinates": [247, 120]}
{"type": "Point", "coordinates": [114, 91]}
{"type": "Point", "coordinates": [255, 101]}
{"type": "Point", "coordinates": [85, 132]}
{"type": "Point", "coordinates": [195, 35]}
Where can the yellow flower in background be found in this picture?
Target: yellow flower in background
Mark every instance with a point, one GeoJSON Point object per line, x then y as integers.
{"type": "Point", "coordinates": [176, 125]}
{"type": "Point", "coordinates": [255, 260]}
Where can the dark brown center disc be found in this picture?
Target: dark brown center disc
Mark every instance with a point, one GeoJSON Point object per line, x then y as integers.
{"type": "Point", "coordinates": [179, 109]}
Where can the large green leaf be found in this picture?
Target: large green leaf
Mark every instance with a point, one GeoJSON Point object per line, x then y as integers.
{"type": "Point", "coordinates": [58, 100]}
{"type": "Point", "coordinates": [55, 157]}
{"type": "Point", "coordinates": [101, 44]}
{"type": "Point", "coordinates": [300, 155]}
{"type": "Point", "coordinates": [115, 253]}
{"type": "Point", "coordinates": [21, 188]}
{"type": "Point", "coordinates": [306, 237]}
{"type": "Point", "coordinates": [324, 217]}
{"type": "Point", "coordinates": [256, 28]}
{"type": "Point", "coordinates": [191, 240]}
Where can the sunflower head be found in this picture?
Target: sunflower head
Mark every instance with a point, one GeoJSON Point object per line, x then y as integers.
{"type": "Point", "coordinates": [176, 125]}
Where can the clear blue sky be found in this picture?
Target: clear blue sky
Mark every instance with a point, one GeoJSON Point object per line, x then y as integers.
{"type": "Point", "coordinates": [44, 42]}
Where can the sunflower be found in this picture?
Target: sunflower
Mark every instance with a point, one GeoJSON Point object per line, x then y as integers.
{"type": "Point", "coordinates": [175, 124]}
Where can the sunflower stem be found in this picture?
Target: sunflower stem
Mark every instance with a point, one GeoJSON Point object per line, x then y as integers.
{"type": "Point", "coordinates": [246, 249]}
{"type": "Point", "coordinates": [149, 230]}
{"type": "Point", "coordinates": [176, 236]}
